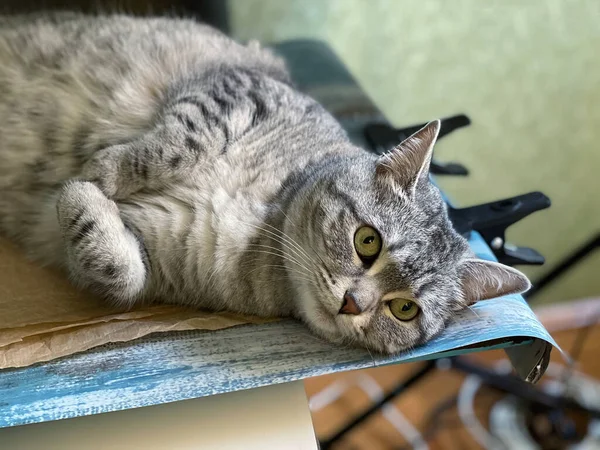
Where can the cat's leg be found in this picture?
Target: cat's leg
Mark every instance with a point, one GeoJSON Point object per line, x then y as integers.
{"type": "Point", "coordinates": [188, 135]}
{"type": "Point", "coordinates": [103, 255]}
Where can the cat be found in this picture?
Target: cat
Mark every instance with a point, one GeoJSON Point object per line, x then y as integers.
{"type": "Point", "coordinates": [158, 160]}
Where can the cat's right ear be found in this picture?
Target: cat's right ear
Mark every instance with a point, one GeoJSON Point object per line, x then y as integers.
{"type": "Point", "coordinates": [408, 163]}
{"type": "Point", "coordinates": [482, 280]}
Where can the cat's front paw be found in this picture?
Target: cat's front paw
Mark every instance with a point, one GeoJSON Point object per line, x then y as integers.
{"type": "Point", "coordinates": [103, 255]}
{"type": "Point", "coordinates": [104, 170]}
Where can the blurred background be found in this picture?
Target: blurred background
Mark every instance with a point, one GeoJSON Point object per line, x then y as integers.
{"type": "Point", "coordinates": [528, 75]}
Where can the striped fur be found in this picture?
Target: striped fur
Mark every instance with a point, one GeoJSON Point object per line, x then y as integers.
{"type": "Point", "coordinates": [156, 160]}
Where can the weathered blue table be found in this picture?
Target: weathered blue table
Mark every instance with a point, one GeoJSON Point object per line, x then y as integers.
{"type": "Point", "coordinates": [178, 366]}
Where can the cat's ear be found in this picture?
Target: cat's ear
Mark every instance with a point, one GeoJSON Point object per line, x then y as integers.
{"type": "Point", "coordinates": [409, 162]}
{"type": "Point", "coordinates": [482, 280]}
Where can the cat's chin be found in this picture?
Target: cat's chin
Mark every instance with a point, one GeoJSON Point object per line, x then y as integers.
{"type": "Point", "coordinates": [342, 330]}
{"type": "Point", "coordinates": [347, 336]}
{"type": "Point", "coordinates": [337, 329]}
{"type": "Point", "coordinates": [324, 320]}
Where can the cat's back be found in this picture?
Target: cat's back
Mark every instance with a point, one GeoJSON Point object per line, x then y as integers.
{"type": "Point", "coordinates": [71, 83]}
{"type": "Point", "coordinates": [64, 41]}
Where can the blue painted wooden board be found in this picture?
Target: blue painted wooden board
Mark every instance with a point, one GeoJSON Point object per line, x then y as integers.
{"type": "Point", "coordinates": [180, 366]}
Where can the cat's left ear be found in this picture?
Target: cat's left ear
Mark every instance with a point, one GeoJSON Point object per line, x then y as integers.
{"type": "Point", "coordinates": [408, 163]}
{"type": "Point", "coordinates": [482, 280]}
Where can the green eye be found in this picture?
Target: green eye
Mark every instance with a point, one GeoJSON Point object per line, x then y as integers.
{"type": "Point", "coordinates": [367, 243]}
{"type": "Point", "coordinates": [403, 309]}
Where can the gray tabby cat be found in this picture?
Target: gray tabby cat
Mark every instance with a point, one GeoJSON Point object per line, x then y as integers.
{"type": "Point", "coordinates": [158, 160]}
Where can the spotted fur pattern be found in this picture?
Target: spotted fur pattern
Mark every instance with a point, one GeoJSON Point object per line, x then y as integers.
{"type": "Point", "coordinates": [158, 160]}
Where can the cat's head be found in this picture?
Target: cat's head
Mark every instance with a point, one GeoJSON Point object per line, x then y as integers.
{"type": "Point", "coordinates": [387, 268]}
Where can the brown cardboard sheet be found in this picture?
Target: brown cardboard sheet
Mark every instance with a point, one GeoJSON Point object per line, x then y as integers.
{"type": "Point", "coordinates": [43, 317]}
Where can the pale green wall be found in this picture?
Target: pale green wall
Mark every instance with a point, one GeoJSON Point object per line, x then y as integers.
{"type": "Point", "coordinates": [527, 72]}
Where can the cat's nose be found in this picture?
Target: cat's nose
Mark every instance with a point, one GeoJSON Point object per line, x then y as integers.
{"type": "Point", "coordinates": [350, 306]}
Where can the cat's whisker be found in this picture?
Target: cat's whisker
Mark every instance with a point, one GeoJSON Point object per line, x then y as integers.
{"type": "Point", "coordinates": [299, 275]}
{"type": "Point", "coordinates": [286, 236]}
{"type": "Point", "coordinates": [304, 262]}
{"type": "Point", "coordinates": [283, 254]}
{"type": "Point", "coordinates": [307, 279]}
{"type": "Point", "coordinates": [289, 237]}
{"type": "Point", "coordinates": [474, 312]}
{"type": "Point", "coordinates": [285, 240]}
{"type": "Point", "coordinates": [280, 266]}
{"type": "Point", "coordinates": [302, 255]}
{"type": "Point", "coordinates": [371, 355]}
{"type": "Point", "coordinates": [294, 223]}
{"type": "Point", "coordinates": [278, 237]}
{"type": "Point", "coordinates": [273, 266]}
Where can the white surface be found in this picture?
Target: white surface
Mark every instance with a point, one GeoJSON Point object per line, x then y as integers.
{"type": "Point", "coordinates": [272, 417]}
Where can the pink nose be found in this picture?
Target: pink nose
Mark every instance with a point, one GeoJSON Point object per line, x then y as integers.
{"type": "Point", "coordinates": [350, 306]}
